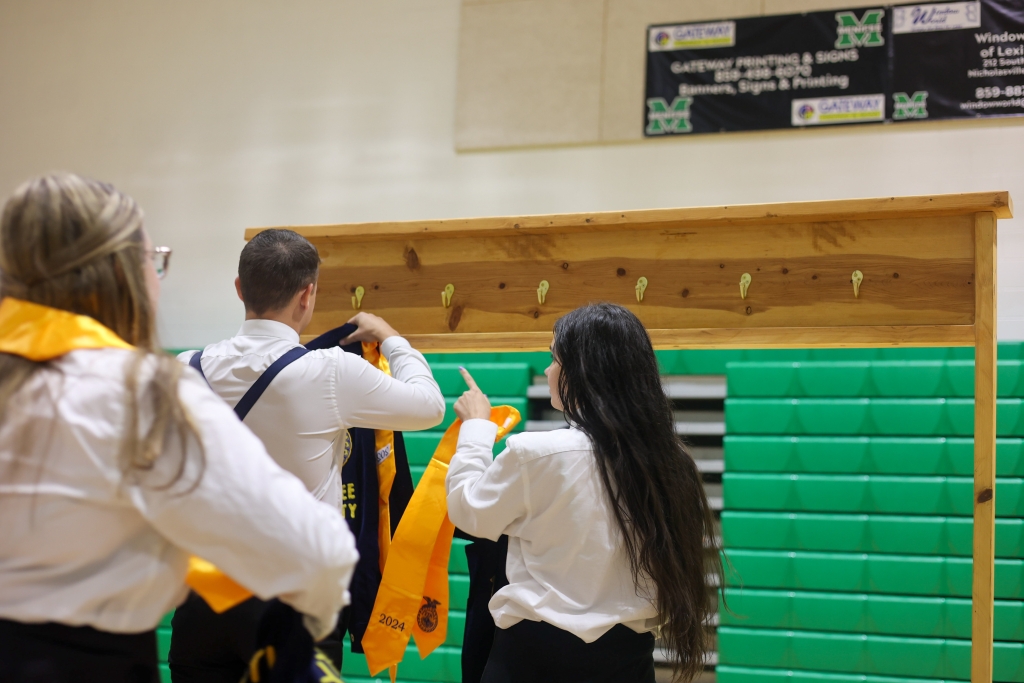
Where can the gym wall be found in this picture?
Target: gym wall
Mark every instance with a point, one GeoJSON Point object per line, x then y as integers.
{"type": "Point", "coordinates": [222, 115]}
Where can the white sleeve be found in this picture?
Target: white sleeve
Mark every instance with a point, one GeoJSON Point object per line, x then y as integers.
{"type": "Point", "coordinates": [408, 400]}
{"type": "Point", "coordinates": [253, 520]}
{"type": "Point", "coordinates": [485, 497]}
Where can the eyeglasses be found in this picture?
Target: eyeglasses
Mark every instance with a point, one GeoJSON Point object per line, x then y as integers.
{"type": "Point", "coordinates": [161, 260]}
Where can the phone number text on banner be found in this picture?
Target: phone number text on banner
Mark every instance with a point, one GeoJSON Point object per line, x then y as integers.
{"type": "Point", "coordinates": [865, 65]}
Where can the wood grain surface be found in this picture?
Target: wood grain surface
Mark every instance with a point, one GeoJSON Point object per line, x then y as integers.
{"type": "Point", "coordinates": [917, 256]}
{"type": "Point", "coordinates": [916, 272]}
{"type": "Point", "coordinates": [740, 214]}
{"type": "Point", "coordinates": [985, 391]}
{"type": "Point", "coordinates": [858, 336]}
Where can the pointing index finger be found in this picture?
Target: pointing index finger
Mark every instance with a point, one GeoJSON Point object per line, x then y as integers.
{"type": "Point", "coordinates": [470, 382]}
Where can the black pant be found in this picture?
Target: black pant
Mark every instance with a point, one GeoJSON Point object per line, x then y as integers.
{"type": "Point", "coordinates": [56, 653]}
{"type": "Point", "coordinates": [207, 647]}
{"type": "Point", "coordinates": [486, 561]}
{"type": "Point", "coordinates": [537, 652]}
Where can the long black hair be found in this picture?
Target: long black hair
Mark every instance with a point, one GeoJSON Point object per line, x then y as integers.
{"type": "Point", "coordinates": [610, 389]}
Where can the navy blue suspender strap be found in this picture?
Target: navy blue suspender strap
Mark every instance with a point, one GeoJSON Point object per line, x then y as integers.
{"type": "Point", "coordinates": [194, 362]}
{"type": "Point", "coordinates": [247, 401]}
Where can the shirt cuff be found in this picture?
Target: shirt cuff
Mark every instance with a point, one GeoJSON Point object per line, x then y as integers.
{"type": "Point", "coordinates": [391, 343]}
{"type": "Point", "coordinates": [478, 431]}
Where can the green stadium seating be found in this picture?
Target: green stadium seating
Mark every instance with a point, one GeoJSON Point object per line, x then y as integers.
{"type": "Point", "coordinates": [420, 447]}
{"type": "Point", "coordinates": [866, 455]}
{"type": "Point", "coordinates": [911, 534]}
{"type": "Point", "coordinates": [537, 361]}
{"type": "Point", "coordinates": [847, 520]}
{"type": "Point", "coordinates": [857, 653]}
{"type": "Point", "coordinates": [867, 416]}
{"type": "Point", "coordinates": [866, 573]}
{"type": "Point", "coordinates": [517, 402]}
{"type": "Point", "coordinates": [494, 379]}
{"type": "Point", "coordinates": [897, 615]}
{"type": "Point", "coordinates": [905, 379]}
{"type": "Point", "coordinates": [867, 566]}
{"type": "Point", "coordinates": [883, 494]}
{"type": "Point", "coordinates": [744, 674]}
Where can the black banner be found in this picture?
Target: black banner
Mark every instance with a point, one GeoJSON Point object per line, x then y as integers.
{"type": "Point", "coordinates": [864, 65]}
{"type": "Point", "coordinates": [941, 72]}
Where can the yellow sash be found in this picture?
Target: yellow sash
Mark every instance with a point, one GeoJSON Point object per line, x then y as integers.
{"type": "Point", "coordinates": [40, 333]}
{"type": "Point", "coordinates": [413, 594]}
{"type": "Point", "coordinates": [386, 469]}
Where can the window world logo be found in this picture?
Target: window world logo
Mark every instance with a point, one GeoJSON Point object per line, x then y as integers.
{"type": "Point", "coordinates": [910, 106]}
{"type": "Point", "coordinates": [691, 36]}
{"type": "Point", "coordinates": [662, 118]}
{"type": "Point", "coordinates": [947, 16]}
{"type": "Point", "coordinates": [863, 32]}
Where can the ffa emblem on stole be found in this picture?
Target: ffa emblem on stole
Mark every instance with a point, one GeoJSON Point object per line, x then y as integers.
{"type": "Point", "coordinates": [426, 618]}
{"type": "Point", "coordinates": [346, 448]}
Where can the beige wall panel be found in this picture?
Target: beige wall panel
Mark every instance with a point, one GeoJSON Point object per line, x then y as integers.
{"type": "Point", "coordinates": [217, 116]}
{"type": "Point", "coordinates": [529, 73]}
{"type": "Point", "coordinates": [622, 111]}
{"type": "Point", "coordinates": [791, 6]}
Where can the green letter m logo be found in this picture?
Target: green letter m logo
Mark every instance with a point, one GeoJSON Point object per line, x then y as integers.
{"type": "Point", "coordinates": [866, 32]}
{"type": "Point", "coordinates": [661, 118]}
{"type": "Point", "coordinates": [910, 107]}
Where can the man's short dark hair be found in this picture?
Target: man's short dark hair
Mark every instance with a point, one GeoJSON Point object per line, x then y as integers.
{"type": "Point", "coordinates": [274, 266]}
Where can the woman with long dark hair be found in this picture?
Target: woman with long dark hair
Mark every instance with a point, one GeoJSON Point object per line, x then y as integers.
{"type": "Point", "coordinates": [611, 537]}
{"type": "Point", "coordinates": [117, 463]}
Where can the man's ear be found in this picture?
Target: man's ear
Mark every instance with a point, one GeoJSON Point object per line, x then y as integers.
{"type": "Point", "coordinates": [238, 289]}
{"type": "Point", "coordinates": [306, 295]}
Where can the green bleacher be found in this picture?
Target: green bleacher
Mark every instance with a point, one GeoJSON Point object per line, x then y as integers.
{"type": "Point", "coordinates": [847, 519]}
{"type": "Point", "coordinates": [847, 503]}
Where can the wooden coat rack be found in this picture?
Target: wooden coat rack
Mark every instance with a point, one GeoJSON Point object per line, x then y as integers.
{"type": "Point", "coordinates": [894, 271]}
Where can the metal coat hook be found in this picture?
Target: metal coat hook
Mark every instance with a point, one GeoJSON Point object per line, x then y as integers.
{"type": "Point", "coordinates": [446, 295]}
{"type": "Point", "coordinates": [744, 284]}
{"type": "Point", "coordinates": [542, 291]}
{"type": "Point", "coordinates": [357, 298]}
{"type": "Point", "coordinates": [641, 287]}
{"type": "Point", "coordinates": [858, 277]}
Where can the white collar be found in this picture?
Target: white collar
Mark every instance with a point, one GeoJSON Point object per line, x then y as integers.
{"type": "Point", "coordinates": [268, 328]}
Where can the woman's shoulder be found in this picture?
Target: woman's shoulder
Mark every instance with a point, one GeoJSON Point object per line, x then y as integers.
{"type": "Point", "coordinates": [97, 371]}
{"type": "Point", "coordinates": [530, 445]}
{"type": "Point", "coordinates": [93, 373]}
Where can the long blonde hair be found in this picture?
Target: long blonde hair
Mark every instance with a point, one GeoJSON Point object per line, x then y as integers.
{"type": "Point", "coordinates": [77, 244]}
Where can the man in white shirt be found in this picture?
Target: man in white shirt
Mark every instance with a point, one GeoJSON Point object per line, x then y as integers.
{"type": "Point", "coordinates": [304, 414]}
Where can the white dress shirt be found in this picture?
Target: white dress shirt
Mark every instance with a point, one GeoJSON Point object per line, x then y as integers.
{"type": "Point", "coordinates": [303, 416]}
{"type": "Point", "coordinates": [566, 565]}
{"type": "Point", "coordinates": [81, 544]}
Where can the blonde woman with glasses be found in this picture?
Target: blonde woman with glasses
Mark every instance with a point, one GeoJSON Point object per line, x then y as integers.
{"type": "Point", "coordinates": [117, 463]}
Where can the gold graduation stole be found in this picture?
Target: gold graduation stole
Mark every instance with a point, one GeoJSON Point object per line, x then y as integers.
{"type": "Point", "coordinates": [386, 469]}
{"type": "Point", "coordinates": [41, 333]}
{"type": "Point", "coordinates": [219, 590]}
{"type": "Point", "coordinates": [413, 594]}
